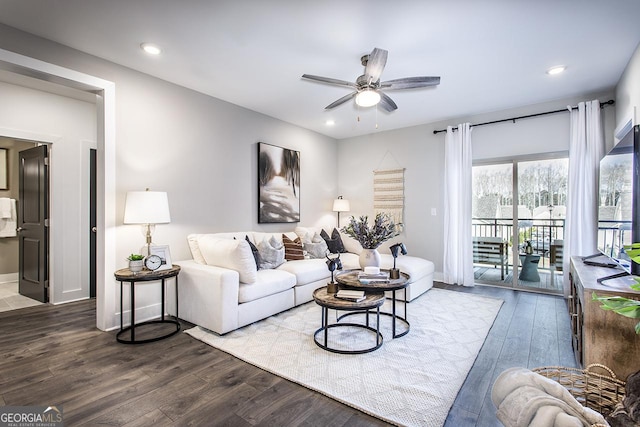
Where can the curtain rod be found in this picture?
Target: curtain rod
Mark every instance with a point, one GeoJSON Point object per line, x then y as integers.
{"type": "Point", "coordinates": [564, 110]}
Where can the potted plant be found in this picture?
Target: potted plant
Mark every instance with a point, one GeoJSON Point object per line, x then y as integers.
{"type": "Point", "coordinates": [625, 306]}
{"type": "Point", "coordinates": [136, 262]}
{"type": "Point", "coordinates": [370, 237]}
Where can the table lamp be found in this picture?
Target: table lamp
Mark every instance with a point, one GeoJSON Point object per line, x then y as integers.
{"type": "Point", "coordinates": [398, 247]}
{"type": "Point", "coordinates": [341, 205]}
{"type": "Point", "coordinates": [147, 208]}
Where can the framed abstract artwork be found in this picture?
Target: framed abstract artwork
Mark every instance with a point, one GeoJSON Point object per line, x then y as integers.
{"type": "Point", "coordinates": [4, 170]}
{"type": "Point", "coordinates": [278, 184]}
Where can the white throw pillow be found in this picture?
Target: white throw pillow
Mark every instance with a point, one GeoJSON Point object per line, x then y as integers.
{"type": "Point", "coordinates": [229, 253]}
{"type": "Point", "coordinates": [351, 244]}
{"type": "Point", "coordinates": [314, 245]}
{"type": "Point", "coordinates": [271, 253]}
{"type": "Point", "coordinates": [192, 239]}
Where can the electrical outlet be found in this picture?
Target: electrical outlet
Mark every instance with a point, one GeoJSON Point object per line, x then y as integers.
{"type": "Point", "coordinates": [433, 212]}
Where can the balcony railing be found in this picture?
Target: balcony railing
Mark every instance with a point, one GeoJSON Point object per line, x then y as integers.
{"type": "Point", "coordinates": [542, 233]}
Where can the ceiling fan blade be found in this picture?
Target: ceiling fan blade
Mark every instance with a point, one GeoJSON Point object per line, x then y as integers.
{"type": "Point", "coordinates": [341, 100]}
{"type": "Point", "coordinates": [410, 83]}
{"type": "Point", "coordinates": [375, 65]}
{"type": "Point", "coordinates": [329, 80]}
{"type": "Point", "coordinates": [387, 103]}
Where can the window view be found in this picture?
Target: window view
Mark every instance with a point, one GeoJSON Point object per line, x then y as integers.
{"type": "Point", "coordinates": [520, 243]}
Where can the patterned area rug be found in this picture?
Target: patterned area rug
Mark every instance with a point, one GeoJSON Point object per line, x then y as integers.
{"type": "Point", "coordinates": [412, 380]}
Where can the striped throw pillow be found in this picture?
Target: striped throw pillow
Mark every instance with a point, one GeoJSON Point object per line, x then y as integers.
{"type": "Point", "coordinates": [292, 248]}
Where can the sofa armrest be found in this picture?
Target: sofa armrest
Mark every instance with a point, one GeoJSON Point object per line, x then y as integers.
{"type": "Point", "coordinates": [208, 296]}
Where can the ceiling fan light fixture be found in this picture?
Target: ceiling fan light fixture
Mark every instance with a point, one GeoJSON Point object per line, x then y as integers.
{"type": "Point", "coordinates": [367, 98]}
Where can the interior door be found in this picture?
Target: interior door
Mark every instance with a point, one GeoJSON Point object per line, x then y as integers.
{"type": "Point", "coordinates": [33, 232]}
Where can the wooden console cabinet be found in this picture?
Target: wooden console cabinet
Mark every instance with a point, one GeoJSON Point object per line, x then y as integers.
{"type": "Point", "coordinates": [601, 336]}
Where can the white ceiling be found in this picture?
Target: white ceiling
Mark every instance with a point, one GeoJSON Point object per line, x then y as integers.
{"type": "Point", "coordinates": [491, 55]}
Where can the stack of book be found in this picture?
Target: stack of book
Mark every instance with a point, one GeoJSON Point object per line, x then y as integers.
{"type": "Point", "coordinates": [368, 278]}
{"type": "Point", "coordinates": [355, 296]}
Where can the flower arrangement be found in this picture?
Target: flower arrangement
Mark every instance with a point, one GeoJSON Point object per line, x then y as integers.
{"type": "Point", "coordinates": [383, 229]}
{"type": "Point", "coordinates": [625, 306]}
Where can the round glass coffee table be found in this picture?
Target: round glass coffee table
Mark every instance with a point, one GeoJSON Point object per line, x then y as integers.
{"type": "Point", "coordinates": [373, 300]}
{"type": "Point", "coordinates": [348, 279]}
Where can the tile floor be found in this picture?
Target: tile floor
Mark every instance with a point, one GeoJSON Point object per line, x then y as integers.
{"type": "Point", "coordinates": [10, 299]}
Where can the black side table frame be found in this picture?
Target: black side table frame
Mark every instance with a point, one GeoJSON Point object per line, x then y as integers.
{"type": "Point", "coordinates": [125, 275]}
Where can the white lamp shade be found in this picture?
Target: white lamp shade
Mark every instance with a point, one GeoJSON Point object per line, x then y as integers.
{"type": "Point", "coordinates": [341, 205]}
{"type": "Point", "coordinates": [146, 207]}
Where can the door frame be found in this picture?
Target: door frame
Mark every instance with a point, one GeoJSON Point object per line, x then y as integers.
{"type": "Point", "coordinates": [106, 188]}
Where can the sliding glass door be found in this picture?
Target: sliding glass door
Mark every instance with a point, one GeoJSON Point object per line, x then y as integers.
{"type": "Point", "coordinates": [517, 241]}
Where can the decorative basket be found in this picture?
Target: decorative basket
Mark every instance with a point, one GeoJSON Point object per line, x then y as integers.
{"type": "Point", "coordinates": [596, 391]}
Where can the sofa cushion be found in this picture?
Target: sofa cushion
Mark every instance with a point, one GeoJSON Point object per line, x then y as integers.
{"type": "Point", "coordinates": [413, 266]}
{"type": "Point", "coordinates": [292, 248]}
{"type": "Point", "coordinates": [268, 282]}
{"type": "Point", "coordinates": [271, 252]}
{"type": "Point", "coordinates": [350, 244]}
{"type": "Point", "coordinates": [306, 270]}
{"type": "Point", "coordinates": [229, 253]}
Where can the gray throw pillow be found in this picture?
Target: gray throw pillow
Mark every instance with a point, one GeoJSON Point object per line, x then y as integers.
{"type": "Point", "coordinates": [271, 253]}
{"type": "Point", "coordinates": [316, 250]}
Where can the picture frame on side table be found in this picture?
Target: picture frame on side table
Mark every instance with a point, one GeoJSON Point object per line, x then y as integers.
{"type": "Point", "coordinates": [278, 184]}
{"type": "Point", "coordinates": [165, 255]}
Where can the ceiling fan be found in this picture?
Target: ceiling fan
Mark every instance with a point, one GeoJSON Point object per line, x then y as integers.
{"type": "Point", "coordinates": [368, 88]}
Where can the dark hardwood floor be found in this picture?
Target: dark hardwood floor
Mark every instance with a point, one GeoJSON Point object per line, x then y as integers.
{"type": "Point", "coordinates": [54, 355]}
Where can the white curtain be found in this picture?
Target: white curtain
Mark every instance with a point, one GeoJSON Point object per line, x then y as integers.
{"type": "Point", "coordinates": [586, 147]}
{"type": "Point", "coordinates": [458, 244]}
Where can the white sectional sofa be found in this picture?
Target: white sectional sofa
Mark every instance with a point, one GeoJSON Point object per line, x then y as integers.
{"type": "Point", "coordinates": [221, 289]}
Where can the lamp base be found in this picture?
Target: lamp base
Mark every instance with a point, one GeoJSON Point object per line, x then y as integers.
{"type": "Point", "coordinates": [332, 288]}
{"type": "Point", "coordinates": [394, 273]}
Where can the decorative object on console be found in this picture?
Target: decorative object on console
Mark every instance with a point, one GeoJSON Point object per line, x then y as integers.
{"type": "Point", "coordinates": [333, 264]}
{"type": "Point", "coordinates": [136, 262]}
{"type": "Point", "coordinates": [147, 208]}
{"type": "Point", "coordinates": [383, 229]}
{"type": "Point", "coordinates": [278, 184]}
{"type": "Point", "coordinates": [398, 247]}
{"type": "Point", "coordinates": [341, 205]}
{"type": "Point", "coordinates": [625, 306]}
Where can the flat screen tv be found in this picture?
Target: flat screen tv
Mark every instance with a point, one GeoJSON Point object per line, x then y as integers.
{"type": "Point", "coordinates": [618, 210]}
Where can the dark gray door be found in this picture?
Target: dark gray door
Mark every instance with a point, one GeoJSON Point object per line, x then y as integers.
{"type": "Point", "coordinates": [33, 214]}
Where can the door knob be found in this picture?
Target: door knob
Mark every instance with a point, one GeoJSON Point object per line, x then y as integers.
{"type": "Point", "coordinates": [19, 229]}
{"type": "Point", "coordinates": [94, 229]}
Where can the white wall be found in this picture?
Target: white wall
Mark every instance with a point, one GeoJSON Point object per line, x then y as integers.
{"type": "Point", "coordinates": [70, 126]}
{"type": "Point", "coordinates": [422, 154]}
{"type": "Point", "coordinates": [199, 149]}
{"type": "Point", "coordinates": [628, 91]}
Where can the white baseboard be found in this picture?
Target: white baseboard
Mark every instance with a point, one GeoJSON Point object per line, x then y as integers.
{"type": "Point", "coordinates": [8, 277]}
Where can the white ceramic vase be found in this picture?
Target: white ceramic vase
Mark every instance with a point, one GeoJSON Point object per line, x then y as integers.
{"type": "Point", "coordinates": [369, 258]}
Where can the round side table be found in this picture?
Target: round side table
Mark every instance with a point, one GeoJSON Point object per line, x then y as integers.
{"type": "Point", "coordinates": [348, 279]}
{"type": "Point", "coordinates": [326, 301]}
{"type": "Point", "coordinates": [126, 275]}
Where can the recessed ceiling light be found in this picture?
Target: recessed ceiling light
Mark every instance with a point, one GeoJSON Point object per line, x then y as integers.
{"type": "Point", "coordinates": [556, 70]}
{"type": "Point", "coordinates": [151, 48]}
{"type": "Point", "coordinates": [330, 123]}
